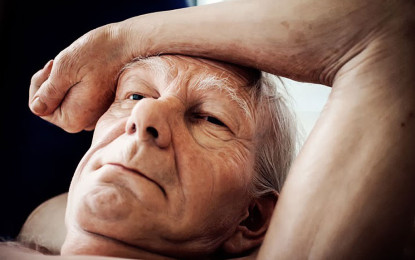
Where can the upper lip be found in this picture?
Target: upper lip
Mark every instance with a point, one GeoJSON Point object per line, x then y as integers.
{"type": "Point", "coordinates": [133, 170]}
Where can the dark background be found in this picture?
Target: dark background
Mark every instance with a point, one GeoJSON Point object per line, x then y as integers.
{"type": "Point", "coordinates": [37, 158]}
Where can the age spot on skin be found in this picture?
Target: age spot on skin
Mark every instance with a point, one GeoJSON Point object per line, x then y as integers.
{"type": "Point", "coordinates": [285, 24]}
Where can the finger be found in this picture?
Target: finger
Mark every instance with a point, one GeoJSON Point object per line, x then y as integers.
{"type": "Point", "coordinates": [76, 112]}
{"type": "Point", "coordinates": [37, 79]}
{"type": "Point", "coordinates": [52, 91]}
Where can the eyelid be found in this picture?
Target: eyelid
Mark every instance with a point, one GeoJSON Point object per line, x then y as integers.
{"type": "Point", "coordinates": [133, 93]}
{"type": "Point", "coordinates": [129, 93]}
{"type": "Point", "coordinates": [215, 121]}
{"type": "Point", "coordinates": [141, 88]}
{"type": "Point", "coordinates": [201, 115]}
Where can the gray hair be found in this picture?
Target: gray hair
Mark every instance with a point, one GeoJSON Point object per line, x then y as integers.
{"type": "Point", "coordinates": [278, 144]}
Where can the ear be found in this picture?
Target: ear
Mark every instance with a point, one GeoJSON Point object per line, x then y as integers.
{"type": "Point", "coordinates": [251, 230]}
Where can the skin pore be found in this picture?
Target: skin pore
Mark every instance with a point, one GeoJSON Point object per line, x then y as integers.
{"type": "Point", "coordinates": [170, 165]}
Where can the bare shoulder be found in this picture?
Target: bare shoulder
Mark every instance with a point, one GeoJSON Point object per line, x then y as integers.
{"type": "Point", "coordinates": [16, 251]}
{"type": "Point", "coordinates": [45, 226]}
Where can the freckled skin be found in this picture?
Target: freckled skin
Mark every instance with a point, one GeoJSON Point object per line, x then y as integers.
{"type": "Point", "coordinates": [187, 192]}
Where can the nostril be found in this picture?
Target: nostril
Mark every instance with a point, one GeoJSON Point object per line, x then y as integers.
{"type": "Point", "coordinates": [132, 128]}
{"type": "Point", "coordinates": [151, 130]}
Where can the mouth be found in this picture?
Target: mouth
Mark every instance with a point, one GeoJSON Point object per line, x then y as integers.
{"type": "Point", "coordinates": [129, 170]}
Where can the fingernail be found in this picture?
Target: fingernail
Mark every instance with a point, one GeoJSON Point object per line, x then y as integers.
{"type": "Point", "coordinates": [38, 106]}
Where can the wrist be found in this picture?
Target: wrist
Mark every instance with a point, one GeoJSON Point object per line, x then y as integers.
{"type": "Point", "coordinates": [138, 36]}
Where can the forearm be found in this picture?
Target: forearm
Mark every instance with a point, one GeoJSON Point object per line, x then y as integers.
{"type": "Point", "coordinates": [303, 40]}
{"type": "Point", "coordinates": [350, 193]}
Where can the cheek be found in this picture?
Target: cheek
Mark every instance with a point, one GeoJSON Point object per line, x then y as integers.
{"type": "Point", "coordinates": [234, 166]}
{"type": "Point", "coordinates": [231, 184]}
{"type": "Point", "coordinates": [108, 128]}
{"type": "Point", "coordinates": [210, 137]}
{"type": "Point", "coordinates": [214, 194]}
{"type": "Point", "coordinates": [214, 179]}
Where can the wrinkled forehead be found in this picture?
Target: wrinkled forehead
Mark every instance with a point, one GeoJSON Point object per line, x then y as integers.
{"type": "Point", "coordinates": [169, 67]}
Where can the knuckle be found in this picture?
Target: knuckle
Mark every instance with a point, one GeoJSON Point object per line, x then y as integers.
{"type": "Point", "coordinates": [67, 64]}
{"type": "Point", "coordinates": [62, 63]}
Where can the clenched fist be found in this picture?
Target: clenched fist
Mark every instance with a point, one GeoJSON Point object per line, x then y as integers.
{"type": "Point", "coordinates": [74, 89]}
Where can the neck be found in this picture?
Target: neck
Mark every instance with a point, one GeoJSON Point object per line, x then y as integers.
{"type": "Point", "coordinates": [79, 242]}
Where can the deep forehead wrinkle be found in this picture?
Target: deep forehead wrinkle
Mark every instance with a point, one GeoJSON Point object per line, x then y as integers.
{"type": "Point", "coordinates": [134, 79]}
{"type": "Point", "coordinates": [205, 80]}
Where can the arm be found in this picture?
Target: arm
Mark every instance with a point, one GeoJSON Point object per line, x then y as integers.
{"type": "Point", "coordinates": [303, 40]}
{"type": "Point", "coordinates": [351, 191]}
{"type": "Point", "coordinates": [288, 38]}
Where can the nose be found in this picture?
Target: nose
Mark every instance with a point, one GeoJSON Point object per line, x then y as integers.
{"type": "Point", "coordinates": [149, 122]}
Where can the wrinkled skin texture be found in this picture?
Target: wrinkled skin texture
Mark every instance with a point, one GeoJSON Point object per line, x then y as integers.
{"type": "Point", "coordinates": [161, 175]}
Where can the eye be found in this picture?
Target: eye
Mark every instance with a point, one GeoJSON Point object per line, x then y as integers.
{"type": "Point", "coordinates": [211, 119]}
{"type": "Point", "coordinates": [135, 97]}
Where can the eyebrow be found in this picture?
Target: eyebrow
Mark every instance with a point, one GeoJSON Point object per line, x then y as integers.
{"type": "Point", "coordinates": [210, 82]}
{"type": "Point", "coordinates": [157, 66]}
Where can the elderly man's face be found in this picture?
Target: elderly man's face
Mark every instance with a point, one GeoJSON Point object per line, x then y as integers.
{"type": "Point", "coordinates": [170, 164]}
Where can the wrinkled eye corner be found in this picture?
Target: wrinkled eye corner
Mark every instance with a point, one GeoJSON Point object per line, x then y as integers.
{"type": "Point", "coordinates": [135, 97]}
